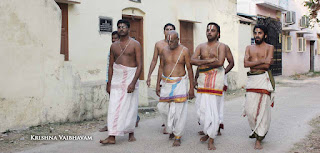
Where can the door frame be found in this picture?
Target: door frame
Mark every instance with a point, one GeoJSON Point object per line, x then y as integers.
{"type": "Point", "coordinates": [64, 21]}
{"type": "Point", "coordinates": [312, 56]}
{"type": "Point", "coordinates": [191, 51]}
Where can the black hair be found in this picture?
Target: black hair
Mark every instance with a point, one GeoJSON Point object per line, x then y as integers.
{"type": "Point", "coordinates": [215, 24]}
{"type": "Point", "coordinates": [169, 24]}
{"type": "Point", "coordinates": [262, 27]}
{"type": "Point", "coordinates": [115, 33]}
{"type": "Point", "coordinates": [124, 21]}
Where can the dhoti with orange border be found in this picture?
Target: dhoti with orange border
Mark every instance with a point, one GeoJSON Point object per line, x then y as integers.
{"type": "Point", "coordinates": [210, 89]}
{"type": "Point", "coordinates": [259, 100]}
{"type": "Point", "coordinates": [123, 106]}
{"type": "Point", "coordinates": [173, 103]}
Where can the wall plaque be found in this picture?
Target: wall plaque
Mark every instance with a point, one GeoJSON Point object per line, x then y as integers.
{"type": "Point", "coordinates": [105, 24]}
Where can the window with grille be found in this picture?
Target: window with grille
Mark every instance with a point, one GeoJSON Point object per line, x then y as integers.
{"type": "Point", "coordinates": [301, 44]}
{"type": "Point", "coordinates": [288, 43]}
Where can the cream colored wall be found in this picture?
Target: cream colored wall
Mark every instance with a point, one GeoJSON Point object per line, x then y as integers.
{"type": "Point", "coordinates": [37, 85]}
{"type": "Point", "coordinates": [89, 48]}
{"type": "Point", "coordinates": [238, 77]}
{"type": "Point", "coordinates": [41, 87]}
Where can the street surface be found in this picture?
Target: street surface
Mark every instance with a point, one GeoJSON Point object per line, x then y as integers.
{"type": "Point", "coordinates": [297, 102]}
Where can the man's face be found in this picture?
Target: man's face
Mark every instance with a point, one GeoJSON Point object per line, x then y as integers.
{"type": "Point", "coordinates": [115, 38]}
{"type": "Point", "coordinates": [212, 33]}
{"type": "Point", "coordinates": [123, 29]}
{"type": "Point", "coordinates": [167, 30]}
{"type": "Point", "coordinates": [173, 41]}
{"type": "Point", "coordinates": [259, 36]}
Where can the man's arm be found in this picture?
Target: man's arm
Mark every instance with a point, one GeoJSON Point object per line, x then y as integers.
{"type": "Point", "coordinates": [110, 69]}
{"type": "Point", "coordinates": [247, 62]}
{"type": "Point", "coordinates": [195, 58]}
{"type": "Point", "coordinates": [221, 57]}
{"type": "Point", "coordinates": [138, 52]}
{"type": "Point", "coordinates": [229, 59]}
{"type": "Point", "coordinates": [196, 76]}
{"type": "Point", "coordinates": [153, 63]}
{"type": "Point", "coordinates": [160, 72]}
{"type": "Point", "coordinates": [190, 74]}
{"type": "Point", "coordinates": [267, 61]}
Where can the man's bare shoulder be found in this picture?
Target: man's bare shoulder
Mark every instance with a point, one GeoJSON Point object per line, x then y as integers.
{"type": "Point", "coordinates": [185, 50]}
{"type": "Point", "coordinates": [161, 42]}
{"type": "Point", "coordinates": [251, 46]}
{"type": "Point", "coordinates": [202, 44]}
{"type": "Point", "coordinates": [116, 43]}
{"type": "Point", "coordinates": [270, 46]}
{"type": "Point", "coordinates": [135, 42]}
{"type": "Point", "coordinates": [223, 45]}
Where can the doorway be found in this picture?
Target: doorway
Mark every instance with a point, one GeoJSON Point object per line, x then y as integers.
{"type": "Point", "coordinates": [186, 35]}
{"type": "Point", "coordinates": [311, 56]}
{"type": "Point", "coordinates": [64, 46]}
{"type": "Point", "coordinates": [136, 32]}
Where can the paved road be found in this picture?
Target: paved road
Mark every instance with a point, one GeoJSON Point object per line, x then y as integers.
{"type": "Point", "coordinates": [297, 102]}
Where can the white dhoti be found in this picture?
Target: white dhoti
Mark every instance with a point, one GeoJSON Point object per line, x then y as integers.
{"type": "Point", "coordinates": [210, 90]}
{"type": "Point", "coordinates": [257, 107]}
{"type": "Point", "coordinates": [173, 103]}
{"type": "Point", "coordinates": [221, 102]}
{"type": "Point", "coordinates": [123, 106]}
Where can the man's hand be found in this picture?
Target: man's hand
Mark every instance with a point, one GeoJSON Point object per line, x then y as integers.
{"type": "Point", "coordinates": [131, 87]}
{"type": "Point", "coordinates": [148, 81]}
{"type": "Point", "coordinates": [211, 60]}
{"type": "Point", "coordinates": [108, 87]}
{"type": "Point", "coordinates": [191, 94]}
{"type": "Point", "coordinates": [195, 84]}
{"type": "Point", "coordinates": [158, 90]}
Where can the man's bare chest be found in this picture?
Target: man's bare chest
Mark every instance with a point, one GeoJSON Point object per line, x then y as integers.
{"type": "Point", "coordinates": [208, 52]}
{"type": "Point", "coordinates": [128, 52]}
{"type": "Point", "coordinates": [172, 57]}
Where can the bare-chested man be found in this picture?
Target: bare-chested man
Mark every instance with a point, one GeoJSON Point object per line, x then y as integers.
{"type": "Point", "coordinates": [174, 90]}
{"type": "Point", "coordinates": [157, 52]}
{"type": "Point", "coordinates": [209, 57]}
{"type": "Point", "coordinates": [259, 95]}
{"type": "Point", "coordinates": [114, 37]}
{"type": "Point", "coordinates": [158, 49]}
{"type": "Point", "coordinates": [220, 103]}
{"type": "Point", "coordinates": [125, 66]}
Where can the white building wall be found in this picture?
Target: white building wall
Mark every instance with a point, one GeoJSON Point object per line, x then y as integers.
{"type": "Point", "coordinates": [290, 66]}
{"type": "Point", "coordinates": [37, 85]}
{"type": "Point", "coordinates": [41, 87]}
{"type": "Point", "coordinates": [89, 48]}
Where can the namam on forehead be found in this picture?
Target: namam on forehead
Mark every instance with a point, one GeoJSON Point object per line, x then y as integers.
{"type": "Point", "coordinates": [211, 26]}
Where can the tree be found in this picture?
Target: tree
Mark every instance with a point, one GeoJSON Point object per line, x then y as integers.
{"type": "Point", "coordinates": [314, 7]}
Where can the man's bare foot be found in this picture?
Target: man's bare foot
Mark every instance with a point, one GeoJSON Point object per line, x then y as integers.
{"type": "Point", "coordinates": [171, 136]}
{"type": "Point", "coordinates": [131, 137]}
{"type": "Point", "coordinates": [204, 138]}
{"type": "Point", "coordinates": [201, 133]}
{"type": "Point", "coordinates": [165, 131]}
{"type": "Point", "coordinates": [176, 142]}
{"type": "Point", "coordinates": [258, 145]}
{"type": "Point", "coordinates": [104, 129]}
{"type": "Point", "coordinates": [109, 140]}
{"type": "Point", "coordinates": [211, 145]}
